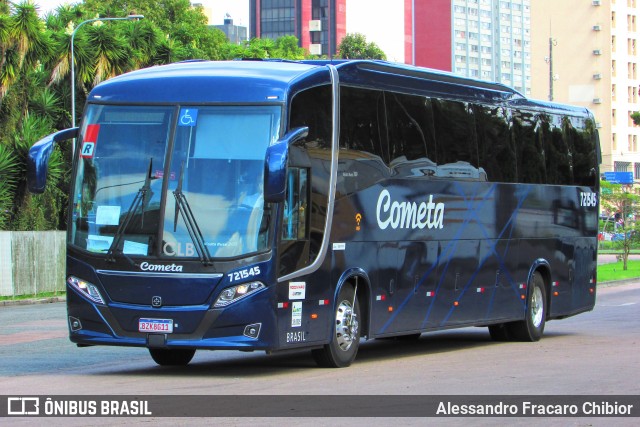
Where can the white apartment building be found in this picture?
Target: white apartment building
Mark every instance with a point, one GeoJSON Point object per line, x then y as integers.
{"type": "Point", "coordinates": [492, 41]}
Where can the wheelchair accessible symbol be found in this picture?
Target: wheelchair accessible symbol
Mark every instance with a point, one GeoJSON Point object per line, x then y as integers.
{"type": "Point", "coordinates": [188, 117]}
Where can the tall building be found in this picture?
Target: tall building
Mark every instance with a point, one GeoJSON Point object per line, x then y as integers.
{"type": "Point", "coordinates": [591, 60]}
{"type": "Point", "coordinates": [319, 25]}
{"type": "Point", "coordinates": [483, 39]}
{"type": "Point", "coordinates": [235, 33]}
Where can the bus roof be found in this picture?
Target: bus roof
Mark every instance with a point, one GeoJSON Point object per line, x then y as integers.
{"type": "Point", "coordinates": [208, 81]}
{"type": "Point", "coordinates": [251, 81]}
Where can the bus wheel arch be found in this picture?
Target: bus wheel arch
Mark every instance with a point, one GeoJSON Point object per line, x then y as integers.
{"type": "Point", "coordinates": [358, 278]}
{"type": "Point", "coordinates": [538, 293]}
{"type": "Point", "coordinates": [532, 326]}
{"type": "Point", "coordinates": [350, 317]}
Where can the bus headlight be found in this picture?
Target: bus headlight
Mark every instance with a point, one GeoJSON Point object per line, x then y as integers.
{"type": "Point", "coordinates": [87, 289]}
{"type": "Point", "coordinates": [236, 293]}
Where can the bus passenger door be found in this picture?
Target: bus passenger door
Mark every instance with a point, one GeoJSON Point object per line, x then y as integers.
{"type": "Point", "coordinates": [294, 235]}
{"type": "Point", "coordinates": [295, 296]}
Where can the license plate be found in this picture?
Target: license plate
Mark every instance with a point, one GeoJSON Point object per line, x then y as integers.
{"type": "Point", "coordinates": [156, 325]}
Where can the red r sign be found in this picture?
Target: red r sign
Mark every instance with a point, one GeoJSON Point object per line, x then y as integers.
{"type": "Point", "coordinates": [90, 140]}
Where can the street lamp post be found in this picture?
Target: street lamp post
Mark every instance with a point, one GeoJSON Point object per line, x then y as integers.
{"type": "Point", "coordinates": [73, 65]}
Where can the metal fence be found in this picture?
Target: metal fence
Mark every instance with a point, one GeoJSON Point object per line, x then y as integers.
{"type": "Point", "coordinates": [32, 262]}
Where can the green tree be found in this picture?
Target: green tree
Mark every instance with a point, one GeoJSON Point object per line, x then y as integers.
{"type": "Point", "coordinates": [186, 25]}
{"type": "Point", "coordinates": [26, 45]}
{"type": "Point", "coordinates": [287, 48]}
{"type": "Point", "coordinates": [620, 199]}
{"type": "Point", "coordinates": [282, 48]}
{"type": "Point", "coordinates": [46, 211]}
{"type": "Point", "coordinates": [355, 46]}
{"type": "Point", "coordinates": [8, 179]}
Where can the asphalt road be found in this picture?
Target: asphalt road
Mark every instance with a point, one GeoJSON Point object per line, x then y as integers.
{"type": "Point", "coordinates": [592, 353]}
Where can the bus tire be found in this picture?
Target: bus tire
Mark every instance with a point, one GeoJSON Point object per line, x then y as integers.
{"type": "Point", "coordinates": [345, 337]}
{"type": "Point", "coordinates": [172, 357]}
{"type": "Point", "coordinates": [532, 327]}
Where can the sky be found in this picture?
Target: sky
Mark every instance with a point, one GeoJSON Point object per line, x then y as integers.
{"type": "Point", "coordinates": [238, 9]}
{"type": "Point", "coordinates": [378, 16]}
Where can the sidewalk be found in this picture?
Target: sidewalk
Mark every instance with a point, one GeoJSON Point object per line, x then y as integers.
{"type": "Point", "coordinates": [29, 301]}
{"type": "Point", "coordinates": [611, 258]}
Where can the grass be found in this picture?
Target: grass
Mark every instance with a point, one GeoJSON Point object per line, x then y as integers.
{"type": "Point", "coordinates": [41, 295]}
{"type": "Point", "coordinates": [614, 271]}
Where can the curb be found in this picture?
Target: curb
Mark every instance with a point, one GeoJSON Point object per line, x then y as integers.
{"type": "Point", "coordinates": [30, 301]}
{"type": "Point", "coordinates": [613, 283]}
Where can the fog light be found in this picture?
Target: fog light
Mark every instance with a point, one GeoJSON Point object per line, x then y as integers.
{"type": "Point", "coordinates": [252, 331]}
{"type": "Point", "coordinates": [74, 324]}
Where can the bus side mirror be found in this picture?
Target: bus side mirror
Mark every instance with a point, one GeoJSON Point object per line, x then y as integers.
{"type": "Point", "coordinates": [275, 166]}
{"type": "Point", "coordinates": [38, 159]}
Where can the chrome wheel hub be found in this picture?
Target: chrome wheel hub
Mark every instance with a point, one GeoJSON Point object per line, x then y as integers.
{"type": "Point", "coordinates": [537, 307]}
{"type": "Point", "coordinates": [346, 325]}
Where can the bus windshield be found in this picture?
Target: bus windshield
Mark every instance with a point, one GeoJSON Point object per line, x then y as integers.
{"type": "Point", "coordinates": [173, 182]}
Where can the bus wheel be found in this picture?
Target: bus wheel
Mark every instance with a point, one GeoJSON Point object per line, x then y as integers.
{"type": "Point", "coordinates": [172, 357]}
{"type": "Point", "coordinates": [499, 332]}
{"type": "Point", "coordinates": [342, 349]}
{"type": "Point", "coordinates": [532, 327]}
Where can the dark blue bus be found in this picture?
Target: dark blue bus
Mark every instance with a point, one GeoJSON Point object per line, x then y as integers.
{"type": "Point", "coordinates": [273, 205]}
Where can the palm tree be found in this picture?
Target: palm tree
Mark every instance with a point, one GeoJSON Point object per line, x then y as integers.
{"type": "Point", "coordinates": [111, 52]}
{"type": "Point", "coordinates": [32, 212]}
{"type": "Point", "coordinates": [8, 178]}
{"type": "Point", "coordinates": [143, 39]}
{"type": "Point", "coordinates": [23, 43]}
{"type": "Point", "coordinates": [168, 51]}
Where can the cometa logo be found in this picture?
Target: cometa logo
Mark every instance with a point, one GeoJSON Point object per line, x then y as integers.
{"type": "Point", "coordinates": [145, 266]}
{"type": "Point", "coordinates": [394, 214]}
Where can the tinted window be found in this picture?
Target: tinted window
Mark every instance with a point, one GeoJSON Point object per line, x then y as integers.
{"type": "Point", "coordinates": [410, 127]}
{"type": "Point", "coordinates": [456, 144]}
{"type": "Point", "coordinates": [362, 119]}
{"type": "Point", "coordinates": [528, 142]}
{"type": "Point", "coordinates": [312, 108]}
{"type": "Point", "coordinates": [455, 133]}
{"type": "Point", "coordinates": [363, 140]}
{"type": "Point", "coordinates": [496, 152]}
{"type": "Point", "coordinates": [583, 150]}
{"type": "Point", "coordinates": [557, 158]}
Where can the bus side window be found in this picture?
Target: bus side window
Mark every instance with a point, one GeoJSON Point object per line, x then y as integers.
{"type": "Point", "coordinates": [497, 155]}
{"type": "Point", "coordinates": [527, 139]}
{"type": "Point", "coordinates": [455, 132]}
{"type": "Point", "coordinates": [294, 221]}
{"type": "Point", "coordinates": [411, 133]}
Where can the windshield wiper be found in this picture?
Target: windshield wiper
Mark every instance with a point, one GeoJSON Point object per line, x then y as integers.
{"type": "Point", "coordinates": [182, 207]}
{"type": "Point", "coordinates": [142, 198]}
